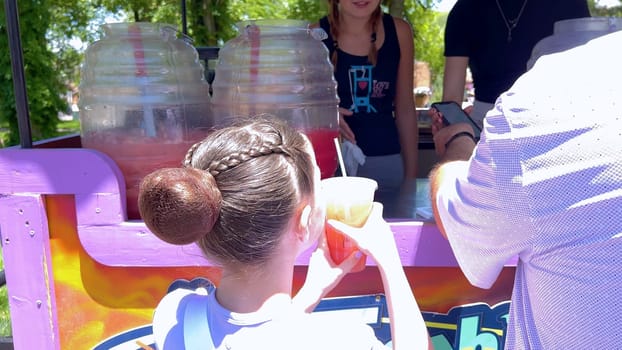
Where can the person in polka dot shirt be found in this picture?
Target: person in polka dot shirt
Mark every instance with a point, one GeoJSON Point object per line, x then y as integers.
{"type": "Point", "coordinates": [544, 184]}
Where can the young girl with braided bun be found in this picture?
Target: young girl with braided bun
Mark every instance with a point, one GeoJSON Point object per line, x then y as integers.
{"type": "Point", "coordinates": [249, 196]}
{"type": "Point", "coordinates": [373, 57]}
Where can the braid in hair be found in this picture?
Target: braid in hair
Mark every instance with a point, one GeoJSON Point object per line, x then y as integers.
{"type": "Point", "coordinates": [262, 168]}
{"type": "Point", "coordinates": [234, 159]}
{"type": "Point", "coordinates": [187, 162]}
{"type": "Point", "coordinates": [333, 20]}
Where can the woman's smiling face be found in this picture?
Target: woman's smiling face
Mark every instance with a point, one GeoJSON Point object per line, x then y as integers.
{"type": "Point", "coordinates": [358, 8]}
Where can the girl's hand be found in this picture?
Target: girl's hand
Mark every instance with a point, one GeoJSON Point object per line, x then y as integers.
{"type": "Point", "coordinates": [375, 238]}
{"type": "Point", "coordinates": [344, 128]}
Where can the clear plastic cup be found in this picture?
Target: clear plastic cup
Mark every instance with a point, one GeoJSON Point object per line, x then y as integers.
{"type": "Point", "coordinates": [348, 199]}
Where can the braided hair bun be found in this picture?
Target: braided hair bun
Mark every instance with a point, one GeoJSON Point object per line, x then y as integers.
{"type": "Point", "coordinates": [179, 205]}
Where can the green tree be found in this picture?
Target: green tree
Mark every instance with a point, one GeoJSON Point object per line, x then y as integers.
{"type": "Point", "coordinates": [142, 10]}
{"type": "Point", "coordinates": [42, 71]}
{"type": "Point", "coordinates": [428, 26]}
{"type": "Point", "coordinates": [209, 22]}
{"type": "Point", "coordinates": [68, 23]}
{"type": "Point", "coordinates": [308, 10]}
{"type": "Point", "coordinates": [601, 11]}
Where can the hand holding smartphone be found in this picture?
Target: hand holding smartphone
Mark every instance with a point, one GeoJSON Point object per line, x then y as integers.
{"type": "Point", "coordinates": [452, 113]}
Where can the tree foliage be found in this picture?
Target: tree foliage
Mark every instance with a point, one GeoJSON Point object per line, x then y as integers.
{"type": "Point", "coordinates": [428, 26]}
{"type": "Point", "coordinates": [309, 10]}
{"type": "Point", "coordinates": [601, 11]}
{"type": "Point", "coordinates": [42, 71]}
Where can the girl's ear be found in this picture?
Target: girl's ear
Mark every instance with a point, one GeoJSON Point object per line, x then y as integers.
{"type": "Point", "coordinates": [304, 218]}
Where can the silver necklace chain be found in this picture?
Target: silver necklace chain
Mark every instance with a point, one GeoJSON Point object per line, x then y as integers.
{"type": "Point", "coordinates": [512, 23]}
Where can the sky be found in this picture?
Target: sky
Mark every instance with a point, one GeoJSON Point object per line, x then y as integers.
{"type": "Point", "coordinates": [445, 5]}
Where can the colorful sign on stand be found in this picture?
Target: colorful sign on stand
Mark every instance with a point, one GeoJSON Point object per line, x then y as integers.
{"type": "Point", "coordinates": [82, 276]}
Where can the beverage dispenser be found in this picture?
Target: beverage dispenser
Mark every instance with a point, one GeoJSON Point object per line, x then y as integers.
{"type": "Point", "coordinates": [573, 32]}
{"type": "Point", "coordinates": [143, 100]}
{"type": "Point", "coordinates": [282, 68]}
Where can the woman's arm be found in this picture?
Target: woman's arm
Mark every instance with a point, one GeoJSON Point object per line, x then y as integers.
{"type": "Point", "coordinates": [405, 112]}
{"type": "Point", "coordinates": [454, 78]}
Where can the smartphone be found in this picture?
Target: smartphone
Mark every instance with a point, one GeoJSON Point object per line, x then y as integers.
{"type": "Point", "coordinates": [452, 113]}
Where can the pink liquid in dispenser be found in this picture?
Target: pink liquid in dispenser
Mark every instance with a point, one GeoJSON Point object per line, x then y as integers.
{"type": "Point", "coordinates": [137, 155]}
{"type": "Point", "coordinates": [325, 152]}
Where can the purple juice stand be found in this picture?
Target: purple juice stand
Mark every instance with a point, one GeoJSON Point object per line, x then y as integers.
{"type": "Point", "coordinates": [80, 275]}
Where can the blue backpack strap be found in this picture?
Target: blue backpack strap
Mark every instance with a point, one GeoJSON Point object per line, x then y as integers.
{"type": "Point", "coordinates": [196, 329]}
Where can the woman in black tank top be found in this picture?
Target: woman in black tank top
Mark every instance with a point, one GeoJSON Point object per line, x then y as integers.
{"type": "Point", "coordinates": [373, 56]}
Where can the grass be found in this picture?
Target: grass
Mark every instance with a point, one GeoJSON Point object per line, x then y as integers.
{"type": "Point", "coordinates": [5, 315]}
{"type": "Point", "coordinates": [62, 128]}
{"type": "Point", "coordinates": [4, 133]}
{"type": "Point", "coordinates": [68, 127]}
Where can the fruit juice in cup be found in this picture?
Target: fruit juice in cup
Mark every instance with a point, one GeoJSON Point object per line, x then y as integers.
{"type": "Point", "coordinates": [348, 199]}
